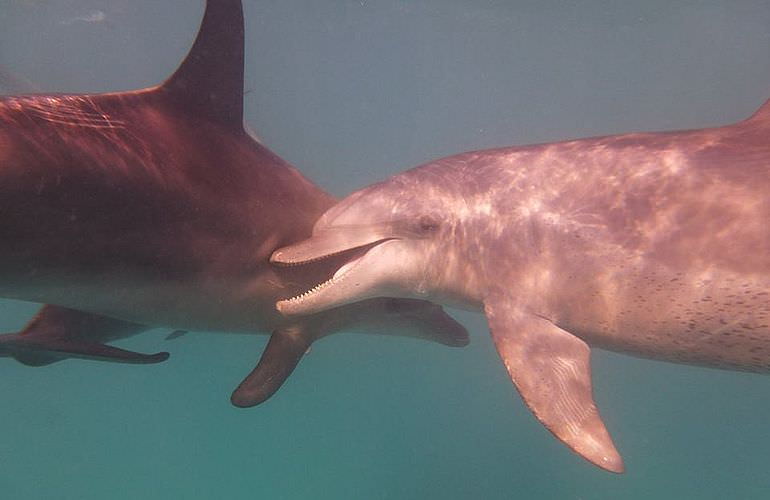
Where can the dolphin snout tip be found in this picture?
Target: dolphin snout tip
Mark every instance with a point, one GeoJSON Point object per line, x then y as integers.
{"type": "Point", "coordinates": [284, 308]}
{"type": "Point", "coordinates": [275, 257]}
{"type": "Point", "coordinates": [286, 256]}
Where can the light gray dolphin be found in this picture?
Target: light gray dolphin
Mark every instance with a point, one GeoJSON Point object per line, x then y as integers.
{"type": "Point", "coordinates": [651, 244]}
{"type": "Point", "coordinates": [157, 208]}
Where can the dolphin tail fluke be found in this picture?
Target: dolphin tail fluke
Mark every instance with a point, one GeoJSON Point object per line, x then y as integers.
{"type": "Point", "coordinates": [282, 354]}
{"type": "Point", "coordinates": [33, 351]}
{"type": "Point", "coordinates": [550, 367]}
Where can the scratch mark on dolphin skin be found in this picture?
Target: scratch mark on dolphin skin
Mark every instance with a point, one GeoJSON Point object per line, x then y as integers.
{"type": "Point", "coordinates": [65, 111]}
{"type": "Point", "coordinates": [95, 16]}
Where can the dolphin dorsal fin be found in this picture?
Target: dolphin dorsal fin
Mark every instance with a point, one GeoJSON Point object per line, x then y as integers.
{"type": "Point", "coordinates": [762, 114]}
{"type": "Point", "coordinates": [209, 82]}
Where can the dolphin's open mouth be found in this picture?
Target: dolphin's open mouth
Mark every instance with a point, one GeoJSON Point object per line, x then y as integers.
{"type": "Point", "coordinates": [314, 250]}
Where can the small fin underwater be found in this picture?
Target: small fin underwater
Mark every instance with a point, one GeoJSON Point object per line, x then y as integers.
{"type": "Point", "coordinates": [170, 174]}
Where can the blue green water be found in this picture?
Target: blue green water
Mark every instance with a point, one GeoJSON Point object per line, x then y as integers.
{"type": "Point", "coordinates": [351, 92]}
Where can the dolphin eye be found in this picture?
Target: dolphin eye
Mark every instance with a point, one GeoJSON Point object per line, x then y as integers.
{"type": "Point", "coordinates": [428, 224]}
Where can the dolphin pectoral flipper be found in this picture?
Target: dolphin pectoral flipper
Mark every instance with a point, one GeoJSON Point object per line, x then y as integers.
{"type": "Point", "coordinates": [36, 352]}
{"type": "Point", "coordinates": [284, 350]}
{"type": "Point", "coordinates": [551, 370]}
{"type": "Point", "coordinates": [176, 334]}
{"type": "Point", "coordinates": [56, 333]}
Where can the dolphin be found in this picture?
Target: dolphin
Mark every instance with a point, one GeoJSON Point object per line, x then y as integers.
{"type": "Point", "coordinates": [55, 331]}
{"type": "Point", "coordinates": [156, 208]}
{"type": "Point", "coordinates": [652, 244]}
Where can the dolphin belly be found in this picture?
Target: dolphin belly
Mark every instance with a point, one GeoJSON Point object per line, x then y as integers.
{"type": "Point", "coordinates": [191, 306]}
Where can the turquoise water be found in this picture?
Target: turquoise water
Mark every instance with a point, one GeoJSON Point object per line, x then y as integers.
{"type": "Point", "coordinates": [351, 92]}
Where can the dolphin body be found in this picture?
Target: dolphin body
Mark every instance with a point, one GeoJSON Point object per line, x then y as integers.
{"type": "Point", "coordinates": [156, 208]}
{"type": "Point", "coordinates": [651, 244]}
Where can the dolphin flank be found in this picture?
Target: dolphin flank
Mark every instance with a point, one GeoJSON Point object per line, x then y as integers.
{"type": "Point", "coordinates": [651, 244]}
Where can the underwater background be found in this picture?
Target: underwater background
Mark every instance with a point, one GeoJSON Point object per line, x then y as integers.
{"type": "Point", "coordinates": [351, 92]}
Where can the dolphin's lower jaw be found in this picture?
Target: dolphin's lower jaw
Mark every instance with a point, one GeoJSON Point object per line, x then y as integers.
{"type": "Point", "coordinates": [338, 290]}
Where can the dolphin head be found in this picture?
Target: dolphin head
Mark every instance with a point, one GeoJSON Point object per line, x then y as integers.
{"type": "Point", "coordinates": [398, 243]}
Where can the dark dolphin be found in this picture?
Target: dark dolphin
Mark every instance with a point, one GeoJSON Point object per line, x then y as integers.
{"type": "Point", "coordinates": [157, 208]}
{"type": "Point", "coordinates": [652, 244]}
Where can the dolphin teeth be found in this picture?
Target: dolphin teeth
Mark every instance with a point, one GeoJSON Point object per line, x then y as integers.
{"type": "Point", "coordinates": [313, 290]}
{"type": "Point", "coordinates": [338, 276]}
{"type": "Point", "coordinates": [293, 263]}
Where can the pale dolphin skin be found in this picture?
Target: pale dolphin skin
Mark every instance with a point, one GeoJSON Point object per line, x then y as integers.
{"type": "Point", "coordinates": [651, 244]}
{"type": "Point", "coordinates": [156, 208]}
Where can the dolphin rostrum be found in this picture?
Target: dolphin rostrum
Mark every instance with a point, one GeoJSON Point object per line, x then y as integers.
{"type": "Point", "coordinates": [156, 208]}
{"type": "Point", "coordinates": [651, 244]}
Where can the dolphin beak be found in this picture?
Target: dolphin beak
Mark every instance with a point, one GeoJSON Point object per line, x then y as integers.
{"type": "Point", "coordinates": [327, 243]}
{"type": "Point", "coordinates": [366, 266]}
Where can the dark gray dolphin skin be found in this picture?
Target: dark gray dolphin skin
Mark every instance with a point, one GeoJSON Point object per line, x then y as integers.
{"type": "Point", "coordinates": [57, 333]}
{"type": "Point", "coordinates": [156, 208]}
{"type": "Point", "coordinates": [651, 244]}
